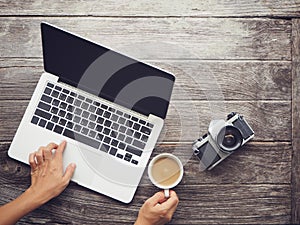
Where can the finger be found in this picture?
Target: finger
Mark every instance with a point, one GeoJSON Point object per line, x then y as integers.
{"type": "Point", "coordinates": [32, 161]}
{"type": "Point", "coordinates": [60, 149]}
{"type": "Point", "coordinates": [171, 202]}
{"type": "Point", "coordinates": [158, 197]}
{"type": "Point", "coordinates": [69, 172]}
{"type": "Point", "coordinates": [39, 156]}
{"type": "Point", "coordinates": [48, 151]}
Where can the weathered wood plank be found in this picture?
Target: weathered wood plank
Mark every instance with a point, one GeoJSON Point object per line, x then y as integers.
{"type": "Point", "coordinates": [199, 204]}
{"type": "Point", "coordinates": [256, 163]}
{"type": "Point", "coordinates": [153, 38]}
{"type": "Point", "coordinates": [195, 80]}
{"type": "Point", "coordinates": [210, 8]}
{"type": "Point", "coordinates": [187, 120]}
{"type": "Point", "coordinates": [296, 123]}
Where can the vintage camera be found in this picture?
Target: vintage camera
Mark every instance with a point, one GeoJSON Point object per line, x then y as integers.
{"type": "Point", "coordinates": [223, 138]}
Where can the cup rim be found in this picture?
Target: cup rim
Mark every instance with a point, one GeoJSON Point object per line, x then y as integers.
{"type": "Point", "coordinates": [170, 156]}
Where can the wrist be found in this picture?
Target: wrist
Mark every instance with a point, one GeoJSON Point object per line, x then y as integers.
{"type": "Point", "coordinates": [35, 197]}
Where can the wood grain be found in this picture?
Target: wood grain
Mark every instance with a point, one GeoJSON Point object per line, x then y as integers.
{"type": "Point", "coordinates": [296, 124]}
{"type": "Point", "coordinates": [187, 120]}
{"type": "Point", "coordinates": [195, 80]}
{"type": "Point", "coordinates": [209, 8]}
{"type": "Point", "coordinates": [199, 204]}
{"type": "Point", "coordinates": [255, 163]}
{"type": "Point", "coordinates": [158, 38]}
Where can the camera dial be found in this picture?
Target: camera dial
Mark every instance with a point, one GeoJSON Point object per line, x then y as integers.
{"type": "Point", "coordinates": [229, 138]}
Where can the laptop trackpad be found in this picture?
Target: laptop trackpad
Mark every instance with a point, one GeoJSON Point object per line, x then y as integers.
{"type": "Point", "coordinates": [111, 169]}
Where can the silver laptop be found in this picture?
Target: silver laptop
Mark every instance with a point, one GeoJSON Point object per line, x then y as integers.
{"type": "Point", "coordinates": [109, 107]}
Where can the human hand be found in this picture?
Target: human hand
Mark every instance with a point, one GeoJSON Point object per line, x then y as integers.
{"type": "Point", "coordinates": [157, 210]}
{"type": "Point", "coordinates": [48, 179]}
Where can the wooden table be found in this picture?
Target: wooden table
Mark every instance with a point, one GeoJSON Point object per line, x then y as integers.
{"type": "Point", "coordinates": [227, 56]}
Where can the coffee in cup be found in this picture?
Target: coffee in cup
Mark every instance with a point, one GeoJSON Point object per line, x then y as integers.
{"type": "Point", "coordinates": [165, 171]}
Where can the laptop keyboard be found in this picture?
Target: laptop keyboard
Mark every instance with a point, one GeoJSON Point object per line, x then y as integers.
{"type": "Point", "coordinates": [93, 123]}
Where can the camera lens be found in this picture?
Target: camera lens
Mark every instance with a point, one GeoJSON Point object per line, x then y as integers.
{"type": "Point", "coordinates": [229, 138]}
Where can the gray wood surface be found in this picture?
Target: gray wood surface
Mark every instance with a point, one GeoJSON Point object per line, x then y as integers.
{"type": "Point", "coordinates": [226, 55]}
{"type": "Point", "coordinates": [142, 8]}
{"type": "Point", "coordinates": [158, 38]}
{"type": "Point", "coordinates": [296, 123]}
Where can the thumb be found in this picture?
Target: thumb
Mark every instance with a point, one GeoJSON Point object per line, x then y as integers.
{"type": "Point", "coordinates": [69, 172]}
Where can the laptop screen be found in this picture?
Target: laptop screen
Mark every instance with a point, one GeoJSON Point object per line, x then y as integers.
{"type": "Point", "coordinates": [105, 73]}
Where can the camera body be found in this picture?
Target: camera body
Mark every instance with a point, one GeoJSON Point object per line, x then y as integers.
{"type": "Point", "coordinates": [223, 138]}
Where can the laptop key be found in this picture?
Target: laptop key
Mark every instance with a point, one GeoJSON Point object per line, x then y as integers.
{"type": "Point", "coordinates": [46, 98]}
{"type": "Point", "coordinates": [106, 131]}
{"type": "Point", "coordinates": [142, 122]}
{"type": "Point", "coordinates": [76, 119]}
{"type": "Point", "coordinates": [70, 108]}
{"type": "Point", "coordinates": [62, 96]}
{"type": "Point", "coordinates": [58, 129]}
{"type": "Point", "coordinates": [104, 148]}
{"type": "Point", "coordinates": [42, 123]}
{"type": "Point", "coordinates": [77, 128]}
{"type": "Point", "coordinates": [93, 117]}
{"type": "Point", "coordinates": [91, 125]}
{"type": "Point", "coordinates": [99, 137]}
{"type": "Point", "coordinates": [84, 131]}
{"type": "Point", "coordinates": [133, 150]}
{"type": "Point", "coordinates": [113, 151]}
{"type": "Point", "coordinates": [55, 102]}
{"type": "Point", "coordinates": [146, 130]}
{"type": "Point", "coordinates": [65, 91]}
{"type": "Point", "coordinates": [137, 135]}
{"type": "Point", "coordinates": [99, 128]}
{"type": "Point", "coordinates": [70, 125]}
{"type": "Point", "coordinates": [150, 125]}
{"type": "Point", "coordinates": [114, 143]}
{"type": "Point", "coordinates": [106, 115]}
{"type": "Point", "coordinates": [144, 138]}
{"type": "Point", "coordinates": [121, 146]}
{"type": "Point", "coordinates": [54, 119]}
{"type": "Point", "coordinates": [58, 88]}
{"type": "Point", "coordinates": [50, 126]}
{"type": "Point", "coordinates": [47, 91]}
{"type": "Point", "coordinates": [92, 108]}
{"type": "Point", "coordinates": [138, 144]}
{"type": "Point", "coordinates": [61, 113]}
{"type": "Point", "coordinates": [77, 102]}
{"type": "Point", "coordinates": [55, 94]}
{"type": "Point", "coordinates": [107, 123]}
{"type": "Point", "coordinates": [73, 94]}
{"type": "Point", "coordinates": [92, 134]}
{"type": "Point", "coordinates": [43, 114]}
{"type": "Point", "coordinates": [84, 122]}
{"type": "Point", "coordinates": [80, 138]}
{"type": "Point", "coordinates": [85, 114]}
{"type": "Point", "coordinates": [100, 120]}
{"type": "Point", "coordinates": [120, 156]}
{"type": "Point", "coordinates": [136, 126]}
{"type": "Point", "coordinates": [63, 105]}
{"type": "Point", "coordinates": [44, 106]}
{"type": "Point", "coordinates": [84, 105]}
{"type": "Point", "coordinates": [78, 111]}
{"type": "Point", "coordinates": [134, 162]}
{"type": "Point", "coordinates": [62, 122]}
{"type": "Point", "coordinates": [34, 120]}
{"type": "Point", "coordinates": [69, 116]}
{"type": "Point", "coordinates": [54, 110]}
{"type": "Point", "coordinates": [70, 100]}
{"type": "Point", "coordinates": [50, 85]}
{"type": "Point", "coordinates": [107, 140]}
{"type": "Point", "coordinates": [128, 140]}
{"type": "Point", "coordinates": [99, 112]}
{"type": "Point", "coordinates": [121, 137]}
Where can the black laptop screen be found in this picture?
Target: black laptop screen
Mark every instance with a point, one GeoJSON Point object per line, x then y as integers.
{"type": "Point", "coordinates": [105, 73]}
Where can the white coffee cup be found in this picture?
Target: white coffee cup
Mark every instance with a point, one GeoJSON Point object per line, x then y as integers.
{"type": "Point", "coordinates": [165, 171]}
